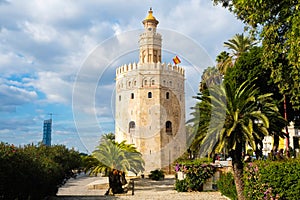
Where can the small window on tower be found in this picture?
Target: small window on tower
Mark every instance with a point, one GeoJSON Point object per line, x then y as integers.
{"type": "Point", "coordinates": [153, 82]}
{"type": "Point", "coordinates": [145, 82]}
{"type": "Point", "coordinates": [167, 95]}
{"type": "Point", "coordinates": [169, 128]}
{"type": "Point", "coordinates": [119, 97]}
{"type": "Point", "coordinates": [131, 127]}
{"type": "Point", "coordinates": [129, 84]}
{"type": "Point", "coordinates": [132, 95]}
{"type": "Point", "coordinates": [149, 94]}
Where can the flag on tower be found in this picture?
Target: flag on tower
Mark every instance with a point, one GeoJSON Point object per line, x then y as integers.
{"type": "Point", "coordinates": [176, 60]}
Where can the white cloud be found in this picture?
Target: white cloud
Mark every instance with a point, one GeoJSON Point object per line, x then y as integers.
{"type": "Point", "coordinates": [55, 87]}
{"type": "Point", "coordinates": [12, 95]}
{"type": "Point", "coordinates": [4, 131]}
{"type": "Point", "coordinates": [50, 11]}
{"type": "Point", "coordinates": [40, 32]}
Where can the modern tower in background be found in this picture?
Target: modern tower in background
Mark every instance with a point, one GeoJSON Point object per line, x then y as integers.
{"type": "Point", "coordinates": [47, 132]}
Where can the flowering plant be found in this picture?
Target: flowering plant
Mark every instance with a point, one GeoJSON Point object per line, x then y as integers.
{"type": "Point", "coordinates": [196, 175]}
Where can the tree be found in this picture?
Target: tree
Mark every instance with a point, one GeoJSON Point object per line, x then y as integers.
{"type": "Point", "coordinates": [224, 61]}
{"type": "Point", "coordinates": [108, 136]}
{"type": "Point", "coordinates": [200, 119]}
{"type": "Point", "coordinates": [115, 159]}
{"type": "Point", "coordinates": [210, 76]}
{"type": "Point", "coordinates": [35, 172]}
{"type": "Point", "coordinates": [249, 67]}
{"type": "Point", "coordinates": [277, 23]}
{"type": "Point", "coordinates": [136, 163]}
{"type": "Point", "coordinates": [244, 122]}
{"type": "Point", "coordinates": [239, 44]}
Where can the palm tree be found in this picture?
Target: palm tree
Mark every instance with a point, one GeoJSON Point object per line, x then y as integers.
{"type": "Point", "coordinates": [134, 157]}
{"type": "Point", "coordinates": [236, 121]}
{"type": "Point", "coordinates": [224, 61]}
{"type": "Point", "coordinates": [239, 44]}
{"type": "Point", "coordinates": [115, 159]}
{"type": "Point", "coordinates": [210, 77]}
{"type": "Point", "coordinates": [108, 136]}
{"type": "Point", "coordinates": [199, 121]}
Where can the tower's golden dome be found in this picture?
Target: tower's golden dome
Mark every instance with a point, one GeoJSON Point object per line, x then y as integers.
{"type": "Point", "coordinates": [150, 17]}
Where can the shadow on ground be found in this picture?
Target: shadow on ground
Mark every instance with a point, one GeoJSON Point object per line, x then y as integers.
{"type": "Point", "coordinates": [155, 186]}
{"type": "Point", "coordinates": [72, 190]}
{"type": "Point", "coordinates": [94, 197]}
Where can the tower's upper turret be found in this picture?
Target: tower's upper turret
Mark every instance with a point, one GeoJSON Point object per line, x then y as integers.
{"type": "Point", "coordinates": [150, 41]}
{"type": "Point", "coordinates": [150, 20]}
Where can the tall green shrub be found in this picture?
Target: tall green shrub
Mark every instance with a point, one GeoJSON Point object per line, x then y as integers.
{"type": "Point", "coordinates": [226, 186]}
{"type": "Point", "coordinates": [272, 179]}
{"type": "Point", "coordinates": [34, 172]}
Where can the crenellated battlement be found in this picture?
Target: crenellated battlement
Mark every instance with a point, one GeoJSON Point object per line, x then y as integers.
{"type": "Point", "coordinates": [154, 66]}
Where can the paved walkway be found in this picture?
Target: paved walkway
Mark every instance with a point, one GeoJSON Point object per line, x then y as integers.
{"type": "Point", "coordinates": [145, 189]}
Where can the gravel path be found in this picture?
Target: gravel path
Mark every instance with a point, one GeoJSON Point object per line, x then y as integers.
{"type": "Point", "coordinates": [145, 189]}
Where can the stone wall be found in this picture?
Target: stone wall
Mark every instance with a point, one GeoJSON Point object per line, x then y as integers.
{"type": "Point", "coordinates": [150, 95]}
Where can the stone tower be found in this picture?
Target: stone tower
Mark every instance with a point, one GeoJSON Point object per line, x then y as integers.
{"type": "Point", "coordinates": [150, 103]}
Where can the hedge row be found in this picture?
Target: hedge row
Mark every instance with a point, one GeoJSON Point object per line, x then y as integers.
{"type": "Point", "coordinates": [34, 172]}
{"type": "Point", "coordinates": [272, 180]}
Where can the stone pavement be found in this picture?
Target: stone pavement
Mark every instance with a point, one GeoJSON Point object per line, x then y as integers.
{"type": "Point", "coordinates": [145, 189]}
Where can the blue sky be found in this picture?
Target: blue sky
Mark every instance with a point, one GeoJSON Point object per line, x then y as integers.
{"type": "Point", "coordinates": [60, 57]}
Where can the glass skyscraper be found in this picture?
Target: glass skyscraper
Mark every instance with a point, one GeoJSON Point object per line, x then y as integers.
{"type": "Point", "coordinates": [47, 132]}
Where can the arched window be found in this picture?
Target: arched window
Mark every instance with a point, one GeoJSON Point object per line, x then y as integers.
{"type": "Point", "coordinates": [145, 82]}
{"type": "Point", "coordinates": [170, 83]}
{"type": "Point", "coordinates": [164, 82]}
{"type": "Point", "coordinates": [169, 128]}
{"type": "Point", "coordinates": [152, 82]}
{"type": "Point", "coordinates": [134, 83]}
{"type": "Point", "coordinates": [119, 97]}
{"type": "Point", "coordinates": [167, 95]}
{"type": "Point", "coordinates": [149, 94]}
{"type": "Point", "coordinates": [129, 84]}
{"type": "Point", "coordinates": [131, 127]}
{"type": "Point", "coordinates": [132, 95]}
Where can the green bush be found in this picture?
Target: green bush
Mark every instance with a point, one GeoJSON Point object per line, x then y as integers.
{"type": "Point", "coordinates": [226, 186]}
{"type": "Point", "coordinates": [195, 176]}
{"type": "Point", "coordinates": [198, 161]}
{"type": "Point", "coordinates": [181, 185]}
{"type": "Point", "coordinates": [34, 172]}
{"type": "Point", "coordinates": [157, 175]}
{"type": "Point", "coordinates": [272, 179]}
